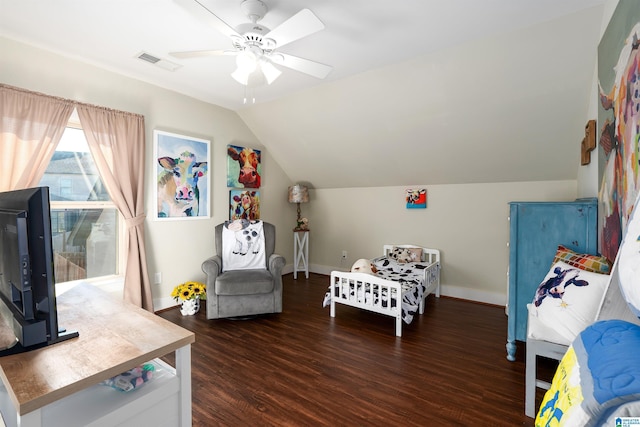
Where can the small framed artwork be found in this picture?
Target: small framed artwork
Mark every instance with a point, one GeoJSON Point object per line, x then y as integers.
{"type": "Point", "coordinates": [244, 167]}
{"type": "Point", "coordinates": [183, 182]}
{"type": "Point", "coordinates": [416, 198]}
{"type": "Point", "coordinates": [244, 204]}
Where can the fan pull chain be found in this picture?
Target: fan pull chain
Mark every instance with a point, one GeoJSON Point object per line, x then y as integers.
{"type": "Point", "coordinates": [251, 94]}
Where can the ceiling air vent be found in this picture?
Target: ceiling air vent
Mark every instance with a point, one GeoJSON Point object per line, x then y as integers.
{"type": "Point", "coordinates": [158, 62]}
{"type": "Point", "coordinates": [148, 57]}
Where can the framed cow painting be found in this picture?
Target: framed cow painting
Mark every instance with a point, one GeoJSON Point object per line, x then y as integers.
{"type": "Point", "coordinates": [244, 168]}
{"type": "Point", "coordinates": [244, 204]}
{"type": "Point", "coordinates": [182, 176]}
{"type": "Point", "coordinates": [416, 198]}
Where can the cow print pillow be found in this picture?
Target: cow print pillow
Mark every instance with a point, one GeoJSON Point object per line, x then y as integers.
{"type": "Point", "coordinates": [404, 255]}
{"type": "Point", "coordinates": [567, 300]}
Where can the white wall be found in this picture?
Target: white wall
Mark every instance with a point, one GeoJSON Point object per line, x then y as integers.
{"type": "Point", "coordinates": [174, 248]}
{"type": "Point", "coordinates": [468, 223]}
{"type": "Point", "coordinates": [588, 174]}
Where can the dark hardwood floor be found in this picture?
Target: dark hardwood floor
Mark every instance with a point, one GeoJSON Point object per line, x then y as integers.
{"type": "Point", "coordinates": [304, 368]}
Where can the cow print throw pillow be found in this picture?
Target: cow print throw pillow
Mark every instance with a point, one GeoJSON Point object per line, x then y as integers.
{"type": "Point", "coordinates": [404, 255]}
{"type": "Point", "coordinates": [568, 299]}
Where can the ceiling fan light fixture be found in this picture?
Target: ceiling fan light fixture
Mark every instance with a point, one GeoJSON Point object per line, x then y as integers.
{"type": "Point", "coordinates": [246, 61]}
{"type": "Point", "coordinates": [271, 73]}
{"type": "Point", "coordinates": [241, 76]}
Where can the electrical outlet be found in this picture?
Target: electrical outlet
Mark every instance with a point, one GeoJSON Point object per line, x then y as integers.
{"type": "Point", "coordinates": [158, 278]}
{"type": "Point", "coordinates": [344, 254]}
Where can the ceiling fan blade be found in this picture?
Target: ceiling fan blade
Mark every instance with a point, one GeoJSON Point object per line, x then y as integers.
{"type": "Point", "coordinates": [201, 53]}
{"type": "Point", "coordinates": [315, 69]}
{"type": "Point", "coordinates": [200, 11]}
{"type": "Point", "coordinates": [298, 26]}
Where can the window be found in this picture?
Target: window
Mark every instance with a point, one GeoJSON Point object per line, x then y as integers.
{"type": "Point", "coordinates": [86, 226]}
{"type": "Point", "coordinates": [65, 187]}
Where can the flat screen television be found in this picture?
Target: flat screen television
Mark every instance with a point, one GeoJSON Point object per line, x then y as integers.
{"type": "Point", "coordinates": [27, 282]}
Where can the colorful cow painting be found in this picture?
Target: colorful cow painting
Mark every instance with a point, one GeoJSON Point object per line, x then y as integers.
{"type": "Point", "coordinates": [178, 192]}
{"type": "Point", "coordinates": [182, 177]}
{"type": "Point", "coordinates": [619, 118]}
{"type": "Point", "coordinates": [244, 205]}
{"type": "Point", "coordinates": [243, 167]}
{"type": "Point", "coordinates": [416, 198]}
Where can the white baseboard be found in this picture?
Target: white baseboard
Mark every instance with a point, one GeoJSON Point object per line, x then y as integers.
{"type": "Point", "coordinates": [165, 302]}
{"type": "Point", "coordinates": [463, 292]}
{"type": "Point", "coordinates": [288, 268]}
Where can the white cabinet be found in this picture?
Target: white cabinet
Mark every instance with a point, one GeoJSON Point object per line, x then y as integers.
{"type": "Point", "coordinates": [155, 403]}
{"type": "Point", "coordinates": [64, 379]}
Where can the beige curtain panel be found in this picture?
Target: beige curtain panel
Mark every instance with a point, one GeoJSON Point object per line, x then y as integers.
{"type": "Point", "coordinates": [116, 140]}
{"type": "Point", "coordinates": [32, 125]}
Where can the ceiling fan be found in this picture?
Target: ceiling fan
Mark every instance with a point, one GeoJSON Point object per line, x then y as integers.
{"type": "Point", "coordinates": [256, 46]}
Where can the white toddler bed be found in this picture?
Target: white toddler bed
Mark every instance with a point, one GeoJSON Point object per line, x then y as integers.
{"type": "Point", "coordinates": [397, 289]}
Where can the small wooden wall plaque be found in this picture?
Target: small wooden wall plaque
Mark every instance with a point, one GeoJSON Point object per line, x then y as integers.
{"type": "Point", "coordinates": [588, 142]}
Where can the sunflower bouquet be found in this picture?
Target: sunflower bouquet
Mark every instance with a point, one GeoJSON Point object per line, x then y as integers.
{"type": "Point", "coordinates": [189, 290]}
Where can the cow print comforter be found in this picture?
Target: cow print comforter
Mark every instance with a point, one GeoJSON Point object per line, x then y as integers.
{"type": "Point", "coordinates": [410, 275]}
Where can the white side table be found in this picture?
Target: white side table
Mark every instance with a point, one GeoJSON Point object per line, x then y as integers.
{"type": "Point", "coordinates": [300, 252]}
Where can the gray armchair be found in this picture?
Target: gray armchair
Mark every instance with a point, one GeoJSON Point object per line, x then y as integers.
{"type": "Point", "coordinates": [244, 292]}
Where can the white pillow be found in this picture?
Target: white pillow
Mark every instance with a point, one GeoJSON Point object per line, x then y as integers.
{"type": "Point", "coordinates": [568, 299]}
{"type": "Point", "coordinates": [539, 331]}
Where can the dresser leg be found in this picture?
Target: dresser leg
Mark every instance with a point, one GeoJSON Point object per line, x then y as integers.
{"type": "Point", "coordinates": [511, 351]}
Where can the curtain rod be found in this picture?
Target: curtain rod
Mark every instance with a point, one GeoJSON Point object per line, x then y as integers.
{"type": "Point", "coordinates": [74, 102]}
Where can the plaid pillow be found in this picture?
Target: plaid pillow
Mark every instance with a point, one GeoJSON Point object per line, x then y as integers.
{"type": "Point", "coordinates": [592, 263]}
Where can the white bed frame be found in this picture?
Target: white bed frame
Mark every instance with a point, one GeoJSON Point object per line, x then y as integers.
{"type": "Point", "coordinates": [346, 280]}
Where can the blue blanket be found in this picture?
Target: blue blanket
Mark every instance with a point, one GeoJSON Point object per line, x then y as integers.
{"type": "Point", "coordinates": [599, 374]}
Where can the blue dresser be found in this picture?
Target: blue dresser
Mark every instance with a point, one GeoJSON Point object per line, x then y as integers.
{"type": "Point", "coordinates": [535, 231]}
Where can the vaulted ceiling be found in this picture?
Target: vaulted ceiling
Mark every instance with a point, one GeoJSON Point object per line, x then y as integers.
{"type": "Point", "coordinates": [421, 91]}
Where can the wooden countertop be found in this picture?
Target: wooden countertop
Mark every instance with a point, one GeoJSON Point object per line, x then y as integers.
{"type": "Point", "coordinates": [114, 336]}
